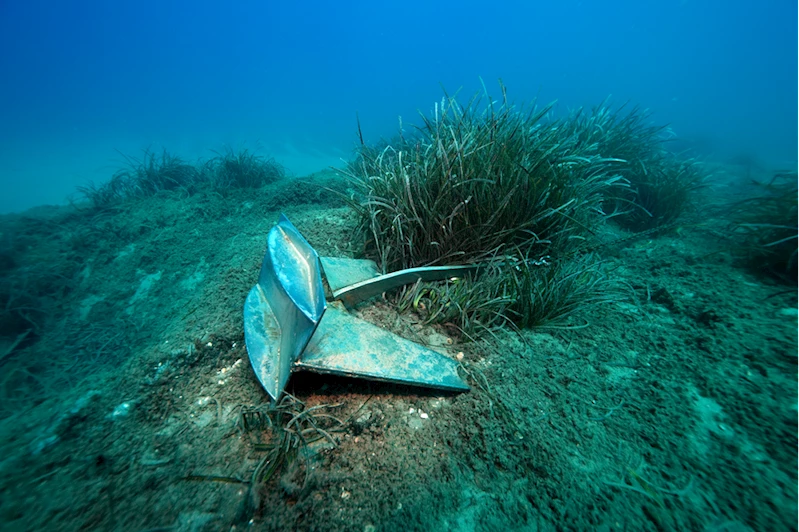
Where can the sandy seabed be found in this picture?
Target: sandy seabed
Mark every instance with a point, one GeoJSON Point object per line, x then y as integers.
{"type": "Point", "coordinates": [675, 410]}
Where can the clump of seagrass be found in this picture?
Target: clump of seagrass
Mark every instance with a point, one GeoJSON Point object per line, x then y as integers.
{"type": "Point", "coordinates": [476, 181]}
{"type": "Point", "coordinates": [468, 305]}
{"type": "Point", "coordinates": [143, 177]}
{"type": "Point", "coordinates": [516, 291]}
{"type": "Point", "coordinates": [289, 428]}
{"type": "Point", "coordinates": [664, 194]}
{"type": "Point", "coordinates": [242, 169]}
{"type": "Point", "coordinates": [764, 227]}
{"type": "Point", "coordinates": [661, 184]}
{"type": "Point", "coordinates": [154, 173]}
{"type": "Point", "coordinates": [486, 182]}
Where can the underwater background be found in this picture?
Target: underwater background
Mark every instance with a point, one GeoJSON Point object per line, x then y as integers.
{"type": "Point", "coordinates": [611, 188]}
{"type": "Point", "coordinates": [87, 78]}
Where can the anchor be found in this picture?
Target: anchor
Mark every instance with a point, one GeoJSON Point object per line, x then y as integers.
{"type": "Point", "coordinates": [284, 329]}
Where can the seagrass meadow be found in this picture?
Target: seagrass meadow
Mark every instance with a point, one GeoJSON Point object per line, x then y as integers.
{"type": "Point", "coordinates": [629, 338]}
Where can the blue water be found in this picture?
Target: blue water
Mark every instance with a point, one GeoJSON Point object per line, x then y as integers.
{"type": "Point", "coordinates": [82, 80]}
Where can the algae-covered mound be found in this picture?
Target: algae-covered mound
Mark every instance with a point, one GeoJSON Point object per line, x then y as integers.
{"type": "Point", "coordinates": [127, 401]}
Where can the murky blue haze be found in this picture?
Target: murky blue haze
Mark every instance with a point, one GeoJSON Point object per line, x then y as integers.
{"type": "Point", "coordinates": [82, 80]}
